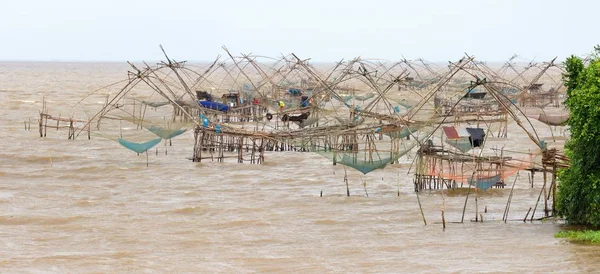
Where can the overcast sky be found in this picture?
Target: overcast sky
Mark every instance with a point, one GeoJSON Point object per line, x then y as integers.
{"type": "Point", "coordinates": [436, 30]}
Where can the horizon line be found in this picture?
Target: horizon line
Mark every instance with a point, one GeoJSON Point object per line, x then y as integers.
{"type": "Point", "coordinates": [228, 59]}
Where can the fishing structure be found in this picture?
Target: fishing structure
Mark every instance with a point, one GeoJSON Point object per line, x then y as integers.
{"type": "Point", "coordinates": [363, 114]}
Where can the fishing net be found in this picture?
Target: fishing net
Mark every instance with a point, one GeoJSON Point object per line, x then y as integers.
{"type": "Point", "coordinates": [365, 160]}
{"type": "Point", "coordinates": [463, 144]}
{"type": "Point", "coordinates": [485, 182]}
{"type": "Point", "coordinates": [156, 104]}
{"type": "Point", "coordinates": [166, 133]}
{"type": "Point", "coordinates": [366, 166]}
{"type": "Point", "coordinates": [552, 120]}
{"type": "Point", "coordinates": [476, 175]}
{"type": "Point", "coordinates": [403, 132]}
{"type": "Point", "coordinates": [139, 147]}
{"type": "Point", "coordinates": [171, 131]}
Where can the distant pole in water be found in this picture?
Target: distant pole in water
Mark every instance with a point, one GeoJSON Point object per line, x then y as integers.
{"type": "Point", "coordinates": [443, 210]}
{"type": "Point", "coordinates": [365, 186]}
{"type": "Point", "coordinates": [346, 181]}
{"type": "Point", "coordinates": [538, 200]}
{"type": "Point", "coordinates": [420, 207]}
{"type": "Point", "coordinates": [466, 200]}
{"type": "Point", "coordinates": [476, 210]}
{"type": "Point", "coordinates": [507, 208]}
{"type": "Point", "coordinates": [398, 185]}
{"type": "Point", "coordinates": [526, 215]}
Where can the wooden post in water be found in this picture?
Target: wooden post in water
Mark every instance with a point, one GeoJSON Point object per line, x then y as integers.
{"type": "Point", "coordinates": [421, 208]}
{"type": "Point", "coordinates": [365, 186]}
{"type": "Point", "coordinates": [465, 206]}
{"type": "Point", "coordinates": [525, 219]}
{"type": "Point", "coordinates": [41, 119]}
{"type": "Point", "coordinates": [443, 210]}
{"type": "Point", "coordinates": [544, 191]}
{"type": "Point", "coordinates": [538, 201]}
{"type": "Point", "coordinates": [476, 208]}
{"type": "Point", "coordinates": [554, 187]}
{"type": "Point", "coordinates": [507, 208]}
{"type": "Point", "coordinates": [398, 185]}
{"type": "Point", "coordinates": [530, 180]}
{"type": "Point", "coordinates": [346, 181]}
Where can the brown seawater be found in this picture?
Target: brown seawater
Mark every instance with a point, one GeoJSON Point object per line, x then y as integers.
{"type": "Point", "coordinates": [92, 206]}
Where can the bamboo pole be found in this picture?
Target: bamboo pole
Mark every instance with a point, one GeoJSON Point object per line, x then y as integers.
{"type": "Point", "coordinates": [346, 181]}
{"type": "Point", "coordinates": [476, 208]}
{"type": "Point", "coordinates": [507, 208]}
{"type": "Point", "coordinates": [365, 187]}
{"type": "Point", "coordinates": [421, 208]}
{"type": "Point", "coordinates": [538, 201]}
{"type": "Point", "coordinates": [544, 191]}
{"type": "Point", "coordinates": [526, 215]}
{"type": "Point", "coordinates": [443, 210]}
{"type": "Point", "coordinates": [466, 200]}
{"type": "Point", "coordinates": [554, 187]}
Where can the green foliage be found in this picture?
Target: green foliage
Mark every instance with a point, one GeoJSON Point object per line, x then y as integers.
{"type": "Point", "coordinates": [589, 236]}
{"type": "Point", "coordinates": [579, 189]}
{"type": "Point", "coordinates": [574, 67]}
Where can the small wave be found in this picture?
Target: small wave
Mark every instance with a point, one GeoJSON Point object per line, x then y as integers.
{"type": "Point", "coordinates": [240, 223]}
{"type": "Point", "coordinates": [84, 203]}
{"type": "Point", "coordinates": [461, 192]}
{"type": "Point", "coordinates": [37, 220]}
{"type": "Point", "coordinates": [106, 170]}
{"type": "Point", "coordinates": [192, 194]}
{"type": "Point", "coordinates": [121, 255]}
{"type": "Point", "coordinates": [36, 159]}
{"type": "Point", "coordinates": [326, 222]}
{"type": "Point", "coordinates": [188, 210]}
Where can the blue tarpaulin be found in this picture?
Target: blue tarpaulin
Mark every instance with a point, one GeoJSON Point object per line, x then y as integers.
{"type": "Point", "coordinates": [295, 91]}
{"type": "Point", "coordinates": [214, 105]}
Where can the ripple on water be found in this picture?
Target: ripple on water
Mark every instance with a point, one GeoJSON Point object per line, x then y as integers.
{"type": "Point", "coordinates": [98, 208]}
{"type": "Point", "coordinates": [37, 220]}
{"type": "Point", "coordinates": [188, 210]}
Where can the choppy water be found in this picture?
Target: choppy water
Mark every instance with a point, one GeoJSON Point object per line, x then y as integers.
{"type": "Point", "coordinates": [92, 206]}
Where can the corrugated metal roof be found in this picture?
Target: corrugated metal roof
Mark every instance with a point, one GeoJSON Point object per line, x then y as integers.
{"type": "Point", "coordinates": [451, 133]}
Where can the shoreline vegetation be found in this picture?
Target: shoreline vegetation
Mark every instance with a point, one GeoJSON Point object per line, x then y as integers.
{"type": "Point", "coordinates": [580, 236]}
{"type": "Point", "coordinates": [578, 192]}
